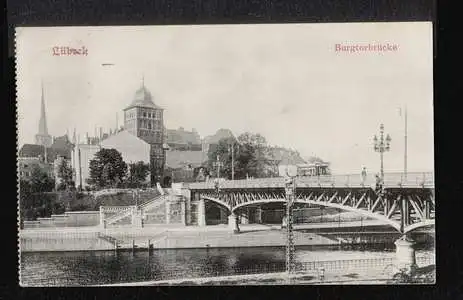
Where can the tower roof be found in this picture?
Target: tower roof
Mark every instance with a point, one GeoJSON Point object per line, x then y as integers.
{"type": "Point", "coordinates": [43, 129]}
{"type": "Point", "coordinates": [143, 98]}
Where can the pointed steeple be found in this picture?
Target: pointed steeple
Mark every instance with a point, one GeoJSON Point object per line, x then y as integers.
{"type": "Point", "coordinates": [42, 137]}
{"type": "Point", "coordinates": [43, 129]}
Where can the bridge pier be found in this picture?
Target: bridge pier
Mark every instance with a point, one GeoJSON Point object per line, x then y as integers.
{"type": "Point", "coordinates": [259, 215]}
{"type": "Point", "coordinates": [201, 213]}
{"type": "Point", "coordinates": [405, 254]}
{"type": "Point", "coordinates": [233, 223]}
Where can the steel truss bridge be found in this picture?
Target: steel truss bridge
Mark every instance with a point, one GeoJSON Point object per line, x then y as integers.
{"type": "Point", "coordinates": [405, 202]}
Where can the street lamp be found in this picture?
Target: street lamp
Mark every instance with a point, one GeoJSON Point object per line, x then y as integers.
{"type": "Point", "coordinates": [232, 151]}
{"type": "Point", "coordinates": [290, 193]}
{"type": "Point", "coordinates": [217, 164]}
{"type": "Point", "coordinates": [381, 145]}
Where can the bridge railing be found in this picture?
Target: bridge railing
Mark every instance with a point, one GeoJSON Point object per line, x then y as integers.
{"type": "Point", "coordinates": [411, 179]}
{"type": "Point", "coordinates": [115, 209]}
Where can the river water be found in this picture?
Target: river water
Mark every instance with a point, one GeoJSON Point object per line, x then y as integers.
{"type": "Point", "coordinates": [105, 267]}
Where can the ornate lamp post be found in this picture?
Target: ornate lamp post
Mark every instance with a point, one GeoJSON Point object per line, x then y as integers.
{"type": "Point", "coordinates": [382, 145]}
{"type": "Point", "coordinates": [290, 192]}
{"type": "Point", "coordinates": [218, 164]}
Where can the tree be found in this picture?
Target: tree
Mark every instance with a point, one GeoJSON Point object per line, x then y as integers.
{"type": "Point", "coordinates": [107, 169]}
{"type": "Point", "coordinates": [35, 199]}
{"type": "Point", "coordinates": [40, 181]}
{"type": "Point", "coordinates": [251, 156]}
{"type": "Point", "coordinates": [65, 176]}
{"type": "Point", "coordinates": [138, 173]}
{"type": "Point", "coordinates": [258, 152]}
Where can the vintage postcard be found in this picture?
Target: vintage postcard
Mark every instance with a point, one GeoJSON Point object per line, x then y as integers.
{"type": "Point", "coordinates": [226, 154]}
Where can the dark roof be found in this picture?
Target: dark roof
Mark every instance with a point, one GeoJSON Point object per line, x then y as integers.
{"type": "Point", "coordinates": [32, 150]}
{"type": "Point", "coordinates": [143, 98]}
{"type": "Point", "coordinates": [180, 159]}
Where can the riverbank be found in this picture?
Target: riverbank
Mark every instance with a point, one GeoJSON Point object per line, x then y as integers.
{"type": "Point", "coordinates": [374, 274]}
{"type": "Point", "coordinates": [217, 236]}
{"type": "Point", "coordinates": [89, 268]}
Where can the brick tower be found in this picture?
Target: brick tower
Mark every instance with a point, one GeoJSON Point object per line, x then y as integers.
{"type": "Point", "coordinates": [144, 119]}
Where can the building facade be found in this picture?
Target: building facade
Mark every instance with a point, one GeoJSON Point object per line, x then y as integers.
{"type": "Point", "coordinates": [183, 140]}
{"type": "Point", "coordinates": [81, 156]}
{"type": "Point", "coordinates": [132, 148]}
{"type": "Point", "coordinates": [145, 120]}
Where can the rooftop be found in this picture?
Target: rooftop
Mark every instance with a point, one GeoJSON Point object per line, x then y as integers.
{"type": "Point", "coordinates": [143, 98]}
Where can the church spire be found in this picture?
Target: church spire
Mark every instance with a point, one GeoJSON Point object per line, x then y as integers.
{"type": "Point", "coordinates": [42, 137]}
{"type": "Point", "coordinates": [43, 129]}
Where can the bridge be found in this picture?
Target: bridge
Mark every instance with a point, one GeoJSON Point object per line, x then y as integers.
{"type": "Point", "coordinates": [405, 202]}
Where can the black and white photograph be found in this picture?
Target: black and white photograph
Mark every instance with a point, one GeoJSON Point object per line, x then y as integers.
{"type": "Point", "coordinates": [245, 154]}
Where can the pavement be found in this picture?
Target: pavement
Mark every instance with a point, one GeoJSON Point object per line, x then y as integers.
{"type": "Point", "coordinates": [370, 276]}
{"type": "Point", "coordinates": [208, 228]}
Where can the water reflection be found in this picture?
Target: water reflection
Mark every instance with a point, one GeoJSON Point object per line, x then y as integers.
{"type": "Point", "coordinates": [102, 267]}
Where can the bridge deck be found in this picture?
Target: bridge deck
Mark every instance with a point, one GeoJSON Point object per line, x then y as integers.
{"type": "Point", "coordinates": [391, 180]}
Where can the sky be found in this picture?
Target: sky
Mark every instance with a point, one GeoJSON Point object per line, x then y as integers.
{"type": "Point", "coordinates": [285, 81]}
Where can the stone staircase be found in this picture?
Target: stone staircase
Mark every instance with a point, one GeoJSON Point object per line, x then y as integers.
{"type": "Point", "coordinates": [152, 204]}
